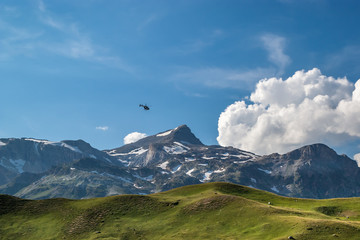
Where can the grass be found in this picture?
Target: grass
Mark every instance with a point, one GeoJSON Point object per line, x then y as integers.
{"type": "Point", "coordinates": [206, 211]}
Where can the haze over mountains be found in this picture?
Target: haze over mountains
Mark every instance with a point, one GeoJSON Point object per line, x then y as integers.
{"type": "Point", "coordinates": [36, 169]}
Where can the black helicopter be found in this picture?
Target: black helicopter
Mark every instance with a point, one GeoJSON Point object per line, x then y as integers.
{"type": "Point", "coordinates": [146, 107]}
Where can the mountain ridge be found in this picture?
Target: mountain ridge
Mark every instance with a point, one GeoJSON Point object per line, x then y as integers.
{"type": "Point", "coordinates": [175, 158]}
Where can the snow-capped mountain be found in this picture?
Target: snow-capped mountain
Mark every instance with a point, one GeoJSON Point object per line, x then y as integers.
{"type": "Point", "coordinates": [154, 149]}
{"type": "Point", "coordinates": [37, 156]}
{"type": "Point", "coordinates": [313, 171]}
{"type": "Point", "coordinates": [176, 158]}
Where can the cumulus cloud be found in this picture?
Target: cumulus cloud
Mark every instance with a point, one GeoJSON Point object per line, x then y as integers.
{"type": "Point", "coordinates": [102, 128]}
{"type": "Point", "coordinates": [133, 137]}
{"type": "Point", "coordinates": [281, 115]}
{"type": "Point", "coordinates": [357, 158]}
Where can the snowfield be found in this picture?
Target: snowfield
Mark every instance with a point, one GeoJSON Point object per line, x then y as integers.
{"type": "Point", "coordinates": [164, 134]}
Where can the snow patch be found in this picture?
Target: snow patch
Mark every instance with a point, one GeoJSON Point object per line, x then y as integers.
{"type": "Point", "coordinates": [190, 159]}
{"type": "Point", "coordinates": [182, 145]}
{"type": "Point", "coordinates": [72, 169]}
{"type": "Point", "coordinates": [39, 141]}
{"type": "Point", "coordinates": [72, 148]}
{"type": "Point", "coordinates": [138, 187]}
{"type": "Point", "coordinates": [253, 180]}
{"type": "Point", "coordinates": [163, 165]}
{"type": "Point", "coordinates": [241, 156]}
{"type": "Point", "coordinates": [220, 170]}
{"type": "Point", "coordinates": [275, 189]}
{"type": "Point", "coordinates": [208, 158]}
{"type": "Point", "coordinates": [164, 133]}
{"type": "Point", "coordinates": [2, 144]}
{"type": "Point", "coordinates": [189, 172]}
{"type": "Point", "coordinates": [243, 161]}
{"type": "Point", "coordinates": [206, 176]}
{"type": "Point", "coordinates": [117, 154]}
{"type": "Point", "coordinates": [138, 151]}
{"type": "Point", "coordinates": [124, 162]}
{"type": "Point", "coordinates": [67, 178]}
{"type": "Point", "coordinates": [59, 144]}
{"type": "Point", "coordinates": [111, 152]}
{"type": "Point", "coordinates": [174, 149]}
{"type": "Point", "coordinates": [265, 171]}
{"type": "Point", "coordinates": [245, 155]}
{"type": "Point", "coordinates": [203, 164]}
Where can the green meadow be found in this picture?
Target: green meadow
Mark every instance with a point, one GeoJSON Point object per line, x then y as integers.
{"type": "Point", "coordinates": [206, 211]}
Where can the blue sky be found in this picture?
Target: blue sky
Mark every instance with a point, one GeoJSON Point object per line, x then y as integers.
{"type": "Point", "coordinates": [79, 69]}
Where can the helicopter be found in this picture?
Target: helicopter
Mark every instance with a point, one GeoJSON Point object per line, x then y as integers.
{"type": "Point", "coordinates": [146, 107]}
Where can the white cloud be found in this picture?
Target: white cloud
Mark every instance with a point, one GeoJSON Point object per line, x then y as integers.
{"type": "Point", "coordinates": [52, 23]}
{"type": "Point", "coordinates": [73, 43]}
{"type": "Point", "coordinates": [357, 158]}
{"type": "Point", "coordinates": [80, 48]}
{"type": "Point", "coordinates": [17, 41]}
{"type": "Point", "coordinates": [224, 78]}
{"type": "Point", "coordinates": [230, 77]}
{"type": "Point", "coordinates": [60, 37]}
{"type": "Point", "coordinates": [275, 45]}
{"type": "Point", "coordinates": [102, 128]}
{"type": "Point", "coordinates": [41, 6]}
{"type": "Point", "coordinates": [133, 137]}
{"type": "Point", "coordinates": [307, 107]}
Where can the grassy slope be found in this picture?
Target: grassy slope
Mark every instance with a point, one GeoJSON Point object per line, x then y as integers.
{"type": "Point", "coordinates": [206, 211]}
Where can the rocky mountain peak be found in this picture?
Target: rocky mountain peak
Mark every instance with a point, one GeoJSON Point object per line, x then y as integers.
{"type": "Point", "coordinates": [313, 151]}
{"type": "Point", "coordinates": [180, 134]}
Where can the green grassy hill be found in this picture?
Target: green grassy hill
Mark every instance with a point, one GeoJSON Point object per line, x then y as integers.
{"type": "Point", "coordinates": [206, 211]}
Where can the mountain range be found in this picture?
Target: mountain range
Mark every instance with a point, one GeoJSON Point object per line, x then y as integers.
{"type": "Point", "coordinates": [37, 169]}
